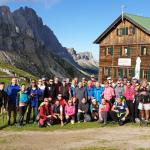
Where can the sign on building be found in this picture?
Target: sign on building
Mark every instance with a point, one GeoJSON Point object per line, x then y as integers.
{"type": "Point", "coordinates": [124, 62]}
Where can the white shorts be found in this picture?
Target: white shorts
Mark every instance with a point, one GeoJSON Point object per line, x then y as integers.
{"type": "Point", "coordinates": [144, 106]}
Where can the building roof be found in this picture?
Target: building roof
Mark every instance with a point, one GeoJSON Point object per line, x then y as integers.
{"type": "Point", "coordinates": [141, 22]}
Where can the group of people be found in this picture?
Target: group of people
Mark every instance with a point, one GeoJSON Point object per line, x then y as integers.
{"type": "Point", "coordinates": [53, 102]}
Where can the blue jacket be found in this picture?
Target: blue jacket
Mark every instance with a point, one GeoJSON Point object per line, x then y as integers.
{"type": "Point", "coordinates": [34, 96]}
{"type": "Point", "coordinates": [22, 97]}
{"type": "Point", "coordinates": [90, 91]}
{"type": "Point", "coordinates": [97, 94]}
{"type": "Point", "coordinates": [12, 91]}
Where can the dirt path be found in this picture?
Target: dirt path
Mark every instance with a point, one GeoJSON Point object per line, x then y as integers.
{"type": "Point", "coordinates": [118, 138]}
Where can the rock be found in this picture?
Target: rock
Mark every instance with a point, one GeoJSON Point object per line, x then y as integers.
{"type": "Point", "coordinates": [32, 46]}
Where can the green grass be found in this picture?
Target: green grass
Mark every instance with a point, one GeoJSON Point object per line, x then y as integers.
{"type": "Point", "coordinates": [19, 72]}
{"type": "Point", "coordinates": [76, 126]}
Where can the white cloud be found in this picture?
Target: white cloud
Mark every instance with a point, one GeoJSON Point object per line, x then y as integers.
{"type": "Point", "coordinates": [46, 3]}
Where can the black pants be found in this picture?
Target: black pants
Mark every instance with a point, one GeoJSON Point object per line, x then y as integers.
{"type": "Point", "coordinates": [12, 108]}
{"type": "Point", "coordinates": [131, 107]}
{"type": "Point", "coordinates": [116, 118]}
{"type": "Point", "coordinates": [22, 110]}
{"type": "Point", "coordinates": [29, 113]}
{"type": "Point", "coordinates": [136, 110]}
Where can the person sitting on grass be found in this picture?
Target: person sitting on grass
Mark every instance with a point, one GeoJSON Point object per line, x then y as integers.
{"type": "Point", "coordinates": [58, 112]}
{"type": "Point", "coordinates": [46, 114]}
{"type": "Point", "coordinates": [94, 110]}
{"type": "Point", "coordinates": [83, 111]}
{"type": "Point", "coordinates": [103, 111]}
{"type": "Point", "coordinates": [22, 102]}
{"type": "Point", "coordinates": [70, 112]}
{"type": "Point", "coordinates": [119, 111]}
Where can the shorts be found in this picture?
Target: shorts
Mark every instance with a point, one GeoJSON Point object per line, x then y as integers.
{"type": "Point", "coordinates": [144, 106]}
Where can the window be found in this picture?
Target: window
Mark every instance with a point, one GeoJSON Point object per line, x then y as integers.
{"type": "Point", "coordinates": [124, 51]}
{"type": "Point", "coordinates": [131, 30]}
{"type": "Point", "coordinates": [122, 31]}
{"type": "Point", "coordinates": [143, 50]}
{"type": "Point", "coordinates": [145, 74]}
{"type": "Point", "coordinates": [107, 71]}
{"type": "Point", "coordinates": [109, 51]}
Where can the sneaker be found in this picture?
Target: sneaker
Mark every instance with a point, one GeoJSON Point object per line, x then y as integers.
{"type": "Point", "coordinates": [48, 124]}
{"type": "Point", "coordinates": [79, 122]}
{"type": "Point", "coordinates": [72, 121]}
{"type": "Point", "coordinates": [137, 120]}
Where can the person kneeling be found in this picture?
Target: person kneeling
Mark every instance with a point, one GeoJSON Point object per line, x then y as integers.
{"type": "Point", "coordinates": [83, 111]}
{"type": "Point", "coordinates": [45, 114]}
{"type": "Point", "coordinates": [58, 113]}
{"type": "Point", "coordinates": [70, 112]}
{"type": "Point", "coordinates": [119, 111]}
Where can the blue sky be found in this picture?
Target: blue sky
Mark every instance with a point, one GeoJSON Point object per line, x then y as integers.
{"type": "Point", "coordinates": [77, 23]}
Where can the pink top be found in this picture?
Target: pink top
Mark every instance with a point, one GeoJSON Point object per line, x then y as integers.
{"type": "Point", "coordinates": [69, 110]}
{"type": "Point", "coordinates": [129, 93]}
{"type": "Point", "coordinates": [108, 93]}
{"type": "Point", "coordinates": [104, 107]}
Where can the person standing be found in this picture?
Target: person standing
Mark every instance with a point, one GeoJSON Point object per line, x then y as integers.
{"type": "Point", "coordinates": [22, 102]}
{"type": "Point", "coordinates": [34, 93]}
{"type": "Point", "coordinates": [12, 91]}
{"type": "Point", "coordinates": [98, 90]}
{"type": "Point", "coordinates": [80, 93]}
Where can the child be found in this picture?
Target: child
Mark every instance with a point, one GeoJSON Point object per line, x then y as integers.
{"type": "Point", "coordinates": [46, 114]}
{"type": "Point", "coordinates": [103, 111]}
{"type": "Point", "coordinates": [94, 109]}
{"type": "Point", "coordinates": [70, 112]}
{"type": "Point", "coordinates": [22, 102]}
{"type": "Point", "coordinates": [83, 111]}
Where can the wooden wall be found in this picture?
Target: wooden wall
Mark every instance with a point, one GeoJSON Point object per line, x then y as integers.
{"type": "Point", "coordinates": [134, 42]}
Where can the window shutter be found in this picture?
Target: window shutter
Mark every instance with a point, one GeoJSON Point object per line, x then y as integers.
{"type": "Point", "coordinates": [149, 75]}
{"type": "Point", "coordinates": [111, 50]}
{"type": "Point", "coordinates": [120, 51]}
{"type": "Point", "coordinates": [126, 31]}
{"type": "Point", "coordinates": [115, 73]}
{"type": "Point", "coordinates": [132, 73]}
{"type": "Point", "coordinates": [103, 71]}
{"type": "Point", "coordinates": [141, 74]}
{"type": "Point", "coordinates": [121, 72]}
{"type": "Point", "coordinates": [128, 52]}
{"type": "Point", "coordinates": [109, 71]}
{"type": "Point", "coordinates": [142, 51]}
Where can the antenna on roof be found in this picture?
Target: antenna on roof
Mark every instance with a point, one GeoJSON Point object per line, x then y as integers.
{"type": "Point", "coordinates": [122, 8]}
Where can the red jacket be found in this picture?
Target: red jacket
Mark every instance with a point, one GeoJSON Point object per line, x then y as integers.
{"type": "Point", "coordinates": [62, 102]}
{"type": "Point", "coordinates": [104, 108]}
{"type": "Point", "coordinates": [45, 110]}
